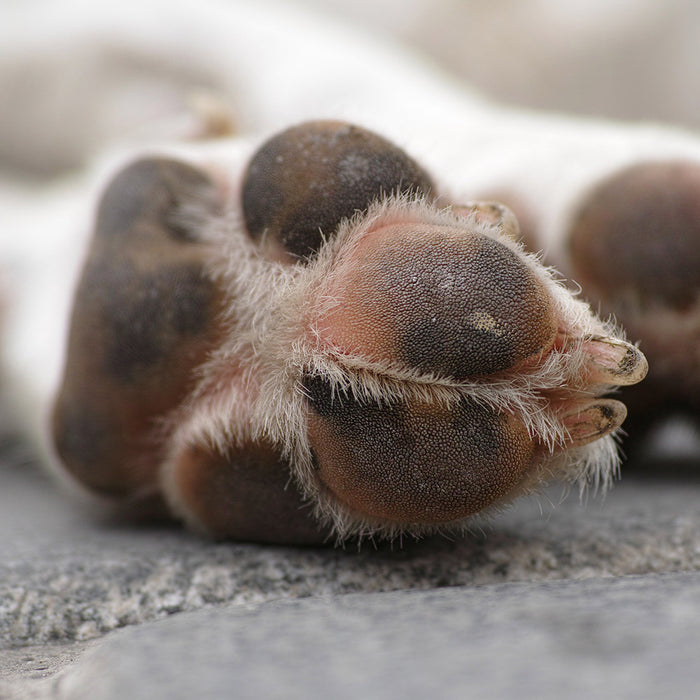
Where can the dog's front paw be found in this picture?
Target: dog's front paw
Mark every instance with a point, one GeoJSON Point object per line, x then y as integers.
{"type": "Point", "coordinates": [397, 362]}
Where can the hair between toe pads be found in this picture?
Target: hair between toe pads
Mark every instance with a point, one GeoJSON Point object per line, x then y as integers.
{"type": "Point", "coordinates": [304, 181]}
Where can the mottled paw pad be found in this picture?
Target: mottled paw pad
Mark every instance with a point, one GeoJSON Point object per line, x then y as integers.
{"type": "Point", "coordinates": [444, 300]}
{"type": "Point", "coordinates": [414, 462]}
{"type": "Point", "coordinates": [303, 182]}
{"type": "Point", "coordinates": [635, 249]}
{"type": "Point", "coordinates": [142, 319]}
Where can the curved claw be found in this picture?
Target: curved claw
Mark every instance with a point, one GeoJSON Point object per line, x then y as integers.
{"type": "Point", "coordinates": [587, 421]}
{"type": "Point", "coordinates": [614, 361]}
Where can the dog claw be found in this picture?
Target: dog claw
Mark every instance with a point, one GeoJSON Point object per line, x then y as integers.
{"type": "Point", "coordinates": [589, 421]}
{"type": "Point", "coordinates": [614, 361]}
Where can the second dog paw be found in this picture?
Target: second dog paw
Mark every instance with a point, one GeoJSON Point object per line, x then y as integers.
{"type": "Point", "coordinates": [634, 246]}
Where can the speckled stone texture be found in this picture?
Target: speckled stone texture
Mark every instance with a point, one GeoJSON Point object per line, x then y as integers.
{"type": "Point", "coordinates": [631, 637]}
{"type": "Point", "coordinates": [69, 576]}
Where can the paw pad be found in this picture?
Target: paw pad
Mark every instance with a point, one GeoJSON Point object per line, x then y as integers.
{"type": "Point", "coordinates": [634, 247]}
{"type": "Point", "coordinates": [637, 236]}
{"type": "Point", "coordinates": [442, 299]}
{"type": "Point", "coordinates": [414, 462]}
{"type": "Point", "coordinates": [257, 505]}
{"type": "Point", "coordinates": [303, 182]}
{"type": "Point", "coordinates": [143, 318]}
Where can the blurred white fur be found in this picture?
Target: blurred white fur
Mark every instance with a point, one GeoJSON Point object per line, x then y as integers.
{"type": "Point", "coordinates": [619, 59]}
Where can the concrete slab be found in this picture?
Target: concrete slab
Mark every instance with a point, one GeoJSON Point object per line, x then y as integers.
{"type": "Point", "coordinates": [630, 637]}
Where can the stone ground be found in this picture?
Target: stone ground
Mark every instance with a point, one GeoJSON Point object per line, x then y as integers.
{"type": "Point", "coordinates": [600, 599]}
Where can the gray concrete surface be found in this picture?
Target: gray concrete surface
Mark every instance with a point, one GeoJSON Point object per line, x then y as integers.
{"type": "Point", "coordinates": [631, 637]}
{"type": "Point", "coordinates": [68, 576]}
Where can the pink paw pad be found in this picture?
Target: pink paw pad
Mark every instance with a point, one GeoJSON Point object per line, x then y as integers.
{"type": "Point", "coordinates": [441, 299]}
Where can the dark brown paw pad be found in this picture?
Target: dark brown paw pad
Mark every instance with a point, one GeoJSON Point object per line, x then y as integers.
{"type": "Point", "coordinates": [635, 250]}
{"type": "Point", "coordinates": [144, 316]}
{"type": "Point", "coordinates": [245, 494]}
{"type": "Point", "coordinates": [637, 237]}
{"type": "Point", "coordinates": [303, 182]}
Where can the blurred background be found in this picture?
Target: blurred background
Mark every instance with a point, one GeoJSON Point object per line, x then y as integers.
{"type": "Point", "coordinates": [634, 60]}
{"type": "Point", "coordinates": [621, 59]}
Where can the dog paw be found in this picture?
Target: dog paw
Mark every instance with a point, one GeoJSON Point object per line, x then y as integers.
{"type": "Point", "coordinates": [350, 353]}
{"type": "Point", "coordinates": [634, 247]}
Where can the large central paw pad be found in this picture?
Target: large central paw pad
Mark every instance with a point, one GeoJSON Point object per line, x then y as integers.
{"type": "Point", "coordinates": [393, 364]}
